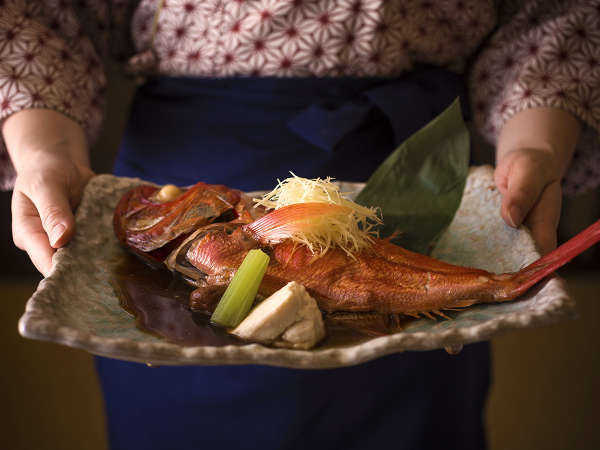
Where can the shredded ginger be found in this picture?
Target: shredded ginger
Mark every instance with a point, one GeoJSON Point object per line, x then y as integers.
{"type": "Point", "coordinates": [351, 230]}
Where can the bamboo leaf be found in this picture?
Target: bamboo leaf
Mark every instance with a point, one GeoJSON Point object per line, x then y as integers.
{"type": "Point", "coordinates": [420, 185]}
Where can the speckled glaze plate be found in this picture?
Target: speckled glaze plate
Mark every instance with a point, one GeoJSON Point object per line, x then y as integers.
{"type": "Point", "coordinates": [77, 306]}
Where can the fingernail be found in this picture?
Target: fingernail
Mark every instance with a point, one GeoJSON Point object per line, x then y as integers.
{"type": "Point", "coordinates": [56, 233]}
{"type": "Point", "coordinates": [514, 214]}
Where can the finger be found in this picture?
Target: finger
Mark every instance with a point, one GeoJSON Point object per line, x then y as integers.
{"type": "Point", "coordinates": [525, 180]}
{"type": "Point", "coordinates": [28, 233]}
{"type": "Point", "coordinates": [503, 169]}
{"type": "Point", "coordinates": [51, 200]}
{"type": "Point", "coordinates": [544, 218]}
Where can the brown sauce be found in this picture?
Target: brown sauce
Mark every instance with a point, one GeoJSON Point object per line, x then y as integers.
{"type": "Point", "coordinates": [158, 299]}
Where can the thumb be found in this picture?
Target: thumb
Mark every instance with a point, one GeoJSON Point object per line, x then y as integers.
{"type": "Point", "coordinates": [521, 178]}
{"type": "Point", "coordinates": [51, 200]}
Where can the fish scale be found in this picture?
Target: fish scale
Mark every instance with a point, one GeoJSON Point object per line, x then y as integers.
{"type": "Point", "coordinates": [369, 290]}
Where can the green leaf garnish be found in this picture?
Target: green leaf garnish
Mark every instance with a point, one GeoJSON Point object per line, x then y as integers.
{"type": "Point", "coordinates": [241, 292]}
{"type": "Point", "coordinates": [420, 185]}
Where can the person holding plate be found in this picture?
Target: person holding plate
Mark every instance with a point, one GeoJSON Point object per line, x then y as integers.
{"type": "Point", "coordinates": [241, 92]}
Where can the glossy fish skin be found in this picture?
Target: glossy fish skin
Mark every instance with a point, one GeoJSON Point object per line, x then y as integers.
{"type": "Point", "coordinates": [384, 279]}
{"type": "Point", "coordinates": [376, 284]}
{"type": "Point", "coordinates": [387, 279]}
{"type": "Point", "coordinates": [152, 228]}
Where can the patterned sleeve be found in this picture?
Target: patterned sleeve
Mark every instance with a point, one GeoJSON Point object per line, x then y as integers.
{"type": "Point", "coordinates": [50, 57]}
{"type": "Point", "coordinates": [545, 53]}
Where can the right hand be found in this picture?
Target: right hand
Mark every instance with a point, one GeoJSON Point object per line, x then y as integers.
{"type": "Point", "coordinates": [534, 149]}
{"type": "Point", "coordinates": [49, 152]}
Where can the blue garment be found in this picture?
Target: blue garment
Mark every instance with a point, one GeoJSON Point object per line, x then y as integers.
{"type": "Point", "coordinates": [246, 133]}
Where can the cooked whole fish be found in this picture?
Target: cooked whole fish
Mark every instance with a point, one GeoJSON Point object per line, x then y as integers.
{"type": "Point", "coordinates": [208, 230]}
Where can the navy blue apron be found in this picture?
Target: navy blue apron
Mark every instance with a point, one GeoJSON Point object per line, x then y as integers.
{"type": "Point", "coordinates": [246, 133]}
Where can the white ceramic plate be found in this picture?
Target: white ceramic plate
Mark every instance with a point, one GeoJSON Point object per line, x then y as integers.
{"type": "Point", "coordinates": [77, 306]}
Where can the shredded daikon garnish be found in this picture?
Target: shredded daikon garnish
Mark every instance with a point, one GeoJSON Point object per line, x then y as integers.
{"type": "Point", "coordinates": [350, 228]}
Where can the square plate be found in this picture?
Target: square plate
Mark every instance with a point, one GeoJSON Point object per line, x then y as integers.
{"type": "Point", "coordinates": [77, 305]}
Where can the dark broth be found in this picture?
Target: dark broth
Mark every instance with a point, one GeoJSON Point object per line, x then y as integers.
{"type": "Point", "coordinates": [158, 299]}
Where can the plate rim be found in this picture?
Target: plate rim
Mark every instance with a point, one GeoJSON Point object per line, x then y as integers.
{"type": "Point", "coordinates": [37, 324]}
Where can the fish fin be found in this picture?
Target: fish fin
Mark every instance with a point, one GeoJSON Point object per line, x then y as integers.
{"type": "Point", "coordinates": [412, 314]}
{"type": "Point", "coordinates": [463, 303]}
{"type": "Point", "coordinates": [371, 324]}
{"type": "Point", "coordinates": [428, 315]}
{"type": "Point", "coordinates": [549, 263]}
{"type": "Point", "coordinates": [441, 314]}
{"type": "Point", "coordinates": [286, 222]}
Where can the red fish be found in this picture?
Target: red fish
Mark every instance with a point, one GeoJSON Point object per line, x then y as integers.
{"type": "Point", "coordinates": [371, 290]}
{"type": "Point", "coordinates": [153, 228]}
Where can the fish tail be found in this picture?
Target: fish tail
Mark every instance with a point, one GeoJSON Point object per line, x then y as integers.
{"type": "Point", "coordinates": [557, 258]}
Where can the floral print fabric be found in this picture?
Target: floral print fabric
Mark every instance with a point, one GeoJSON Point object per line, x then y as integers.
{"type": "Point", "coordinates": [518, 54]}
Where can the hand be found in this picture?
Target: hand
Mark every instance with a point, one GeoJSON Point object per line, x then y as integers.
{"type": "Point", "coordinates": [534, 149]}
{"type": "Point", "coordinates": [49, 152]}
{"type": "Point", "coordinates": [529, 182]}
{"type": "Point", "coordinates": [43, 199]}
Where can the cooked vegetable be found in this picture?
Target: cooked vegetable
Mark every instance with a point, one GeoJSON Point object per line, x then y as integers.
{"type": "Point", "coordinates": [239, 296]}
{"type": "Point", "coordinates": [288, 318]}
{"type": "Point", "coordinates": [343, 224]}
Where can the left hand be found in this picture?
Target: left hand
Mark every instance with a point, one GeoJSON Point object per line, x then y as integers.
{"type": "Point", "coordinates": [49, 153]}
{"type": "Point", "coordinates": [534, 150]}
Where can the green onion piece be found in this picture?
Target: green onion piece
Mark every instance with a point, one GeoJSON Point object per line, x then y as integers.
{"type": "Point", "coordinates": [239, 296]}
